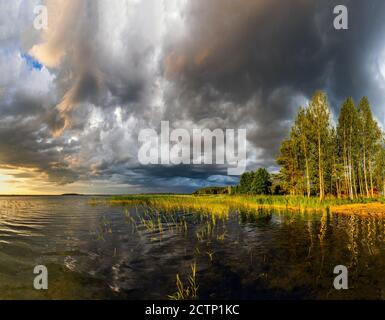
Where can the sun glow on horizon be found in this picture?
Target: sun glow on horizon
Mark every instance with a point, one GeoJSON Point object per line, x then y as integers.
{"type": "Point", "coordinates": [27, 181]}
{"type": "Point", "coordinates": [20, 181]}
{"type": "Point", "coordinates": [10, 185]}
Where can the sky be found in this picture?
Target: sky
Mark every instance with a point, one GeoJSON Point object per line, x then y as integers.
{"type": "Point", "coordinates": [74, 97]}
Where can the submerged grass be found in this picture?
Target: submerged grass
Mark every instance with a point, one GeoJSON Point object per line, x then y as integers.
{"type": "Point", "coordinates": [190, 289]}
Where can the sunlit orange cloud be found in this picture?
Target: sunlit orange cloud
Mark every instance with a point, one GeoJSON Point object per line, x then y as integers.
{"type": "Point", "coordinates": [202, 56]}
{"type": "Point", "coordinates": [174, 64]}
{"type": "Point", "coordinates": [218, 30]}
{"type": "Point", "coordinates": [55, 40]}
{"type": "Point", "coordinates": [55, 43]}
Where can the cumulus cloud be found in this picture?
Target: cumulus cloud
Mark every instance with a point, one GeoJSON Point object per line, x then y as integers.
{"type": "Point", "coordinates": [106, 54]}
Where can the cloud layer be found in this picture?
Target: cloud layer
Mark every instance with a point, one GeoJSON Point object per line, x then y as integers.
{"type": "Point", "coordinates": [111, 68]}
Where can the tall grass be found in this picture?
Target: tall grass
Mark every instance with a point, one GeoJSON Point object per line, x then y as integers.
{"type": "Point", "coordinates": [222, 204]}
{"type": "Point", "coordinates": [188, 290]}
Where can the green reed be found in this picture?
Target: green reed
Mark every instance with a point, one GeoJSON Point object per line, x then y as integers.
{"type": "Point", "coordinates": [190, 289]}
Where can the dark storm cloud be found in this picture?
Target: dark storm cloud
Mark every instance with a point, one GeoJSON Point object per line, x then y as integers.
{"type": "Point", "coordinates": [23, 143]}
{"type": "Point", "coordinates": [21, 105]}
{"type": "Point", "coordinates": [252, 61]}
{"type": "Point", "coordinates": [161, 175]}
{"type": "Point", "coordinates": [356, 55]}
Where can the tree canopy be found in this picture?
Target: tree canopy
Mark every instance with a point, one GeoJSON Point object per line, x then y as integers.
{"type": "Point", "coordinates": [345, 160]}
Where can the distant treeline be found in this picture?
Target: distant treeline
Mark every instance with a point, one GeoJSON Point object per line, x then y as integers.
{"type": "Point", "coordinates": [258, 182]}
{"type": "Point", "coordinates": [214, 190]}
{"type": "Point", "coordinates": [319, 158]}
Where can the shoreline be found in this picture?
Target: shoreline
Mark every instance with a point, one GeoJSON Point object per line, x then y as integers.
{"type": "Point", "coordinates": [369, 207]}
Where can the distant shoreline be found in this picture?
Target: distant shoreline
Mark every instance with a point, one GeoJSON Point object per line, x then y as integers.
{"type": "Point", "coordinates": [53, 195]}
{"type": "Point", "coordinates": [87, 195]}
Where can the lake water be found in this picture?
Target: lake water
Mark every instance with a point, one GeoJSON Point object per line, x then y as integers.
{"type": "Point", "coordinates": [115, 252]}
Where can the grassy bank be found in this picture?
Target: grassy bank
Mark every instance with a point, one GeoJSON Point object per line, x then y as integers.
{"type": "Point", "coordinates": [220, 204]}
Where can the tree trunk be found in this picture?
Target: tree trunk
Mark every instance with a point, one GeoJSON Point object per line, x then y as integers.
{"type": "Point", "coordinates": [354, 181]}
{"type": "Point", "coordinates": [365, 173]}
{"type": "Point", "coordinates": [383, 191]}
{"type": "Point", "coordinates": [307, 167]}
{"type": "Point", "coordinates": [321, 190]}
{"type": "Point", "coordinates": [360, 182]}
{"type": "Point", "coordinates": [346, 168]}
{"type": "Point", "coordinates": [307, 178]}
{"type": "Point", "coordinates": [350, 176]}
{"type": "Point", "coordinates": [371, 178]}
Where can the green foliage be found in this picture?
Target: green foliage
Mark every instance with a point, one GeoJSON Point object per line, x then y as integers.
{"type": "Point", "coordinates": [258, 182]}
{"type": "Point", "coordinates": [261, 183]}
{"type": "Point", "coordinates": [344, 161]}
{"type": "Point", "coordinates": [246, 182]}
{"type": "Point", "coordinates": [319, 159]}
{"type": "Point", "coordinates": [213, 190]}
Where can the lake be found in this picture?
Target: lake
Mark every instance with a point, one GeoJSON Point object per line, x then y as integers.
{"type": "Point", "coordinates": [108, 251]}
